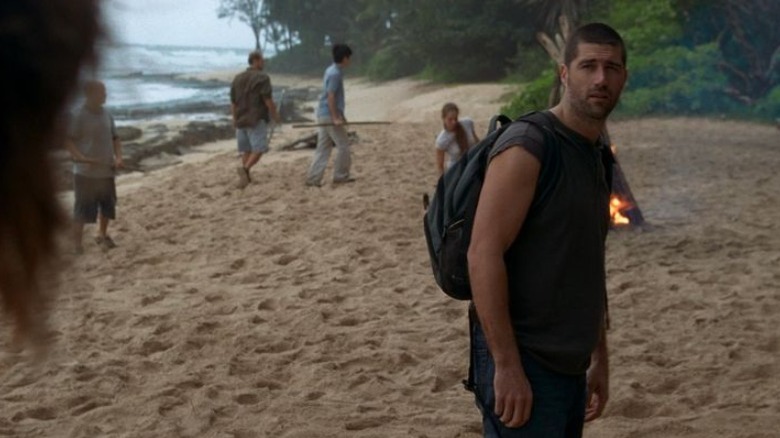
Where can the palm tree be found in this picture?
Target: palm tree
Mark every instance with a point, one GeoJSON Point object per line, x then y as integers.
{"type": "Point", "coordinates": [249, 12]}
{"type": "Point", "coordinates": [549, 12]}
{"type": "Point", "coordinates": [558, 18]}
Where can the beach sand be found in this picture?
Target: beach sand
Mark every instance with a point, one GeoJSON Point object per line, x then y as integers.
{"type": "Point", "coordinates": [289, 311]}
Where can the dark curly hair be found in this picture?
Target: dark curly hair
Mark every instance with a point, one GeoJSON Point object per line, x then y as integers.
{"type": "Point", "coordinates": [43, 46]}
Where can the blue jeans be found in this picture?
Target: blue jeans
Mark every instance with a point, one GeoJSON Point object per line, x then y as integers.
{"type": "Point", "coordinates": [558, 409]}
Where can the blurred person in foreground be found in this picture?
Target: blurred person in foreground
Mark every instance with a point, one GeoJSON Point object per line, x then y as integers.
{"type": "Point", "coordinates": [97, 153]}
{"type": "Point", "coordinates": [538, 279]}
{"type": "Point", "coordinates": [43, 46]}
{"type": "Point", "coordinates": [252, 106]}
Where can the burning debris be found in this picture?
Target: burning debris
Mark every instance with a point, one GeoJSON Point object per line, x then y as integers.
{"type": "Point", "coordinates": [623, 208]}
{"type": "Point", "coordinates": [616, 205]}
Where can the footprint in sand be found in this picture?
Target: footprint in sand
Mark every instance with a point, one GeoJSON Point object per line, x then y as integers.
{"type": "Point", "coordinates": [214, 297]}
{"type": "Point", "coordinates": [86, 408]}
{"type": "Point", "coordinates": [350, 322]}
{"type": "Point", "coordinates": [316, 395]}
{"type": "Point", "coordinates": [247, 399]}
{"type": "Point", "coordinates": [206, 327]}
{"type": "Point", "coordinates": [150, 347]}
{"type": "Point", "coordinates": [367, 251]}
{"type": "Point", "coordinates": [267, 384]}
{"type": "Point", "coordinates": [151, 299]}
{"type": "Point", "coordinates": [633, 408]}
{"type": "Point", "coordinates": [368, 423]}
{"type": "Point", "coordinates": [267, 304]}
{"type": "Point", "coordinates": [286, 259]}
{"type": "Point", "coordinates": [257, 319]}
{"type": "Point", "coordinates": [40, 413]}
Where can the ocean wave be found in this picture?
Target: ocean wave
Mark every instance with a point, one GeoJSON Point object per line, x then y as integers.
{"type": "Point", "coordinates": [145, 60]}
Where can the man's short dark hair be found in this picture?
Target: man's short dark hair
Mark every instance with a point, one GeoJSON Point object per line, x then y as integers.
{"type": "Point", "coordinates": [255, 54]}
{"type": "Point", "coordinates": [341, 51]}
{"type": "Point", "coordinates": [593, 33]}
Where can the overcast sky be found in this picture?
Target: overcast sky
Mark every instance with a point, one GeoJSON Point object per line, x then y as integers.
{"type": "Point", "coordinates": [174, 22]}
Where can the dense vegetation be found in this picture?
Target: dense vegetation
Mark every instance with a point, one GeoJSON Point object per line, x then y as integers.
{"type": "Point", "coordinates": [685, 56]}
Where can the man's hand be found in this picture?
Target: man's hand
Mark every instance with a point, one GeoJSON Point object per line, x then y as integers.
{"type": "Point", "coordinates": [338, 121]}
{"type": "Point", "coordinates": [81, 158]}
{"type": "Point", "coordinates": [119, 163]}
{"type": "Point", "coordinates": [598, 389]}
{"type": "Point", "coordinates": [513, 396]}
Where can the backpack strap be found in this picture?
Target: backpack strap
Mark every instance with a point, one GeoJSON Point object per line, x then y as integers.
{"type": "Point", "coordinates": [542, 121]}
{"type": "Point", "coordinates": [495, 120]}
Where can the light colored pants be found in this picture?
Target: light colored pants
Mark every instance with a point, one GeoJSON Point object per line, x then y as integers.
{"type": "Point", "coordinates": [327, 136]}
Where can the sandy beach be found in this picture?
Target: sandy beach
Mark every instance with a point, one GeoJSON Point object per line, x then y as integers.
{"type": "Point", "coordinates": [291, 311]}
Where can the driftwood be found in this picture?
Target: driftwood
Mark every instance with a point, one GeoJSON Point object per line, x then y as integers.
{"type": "Point", "coordinates": [319, 125]}
{"type": "Point", "coordinates": [555, 46]}
{"type": "Point", "coordinates": [307, 142]}
{"type": "Point", "coordinates": [310, 142]}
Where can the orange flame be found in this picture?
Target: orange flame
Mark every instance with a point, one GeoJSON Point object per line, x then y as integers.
{"type": "Point", "coordinates": [616, 209]}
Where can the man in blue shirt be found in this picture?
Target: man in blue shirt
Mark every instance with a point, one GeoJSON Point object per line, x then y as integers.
{"type": "Point", "coordinates": [330, 111]}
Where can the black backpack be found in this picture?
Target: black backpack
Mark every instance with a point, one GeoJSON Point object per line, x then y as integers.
{"type": "Point", "coordinates": [449, 216]}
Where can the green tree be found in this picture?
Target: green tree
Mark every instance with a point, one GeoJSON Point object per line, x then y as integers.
{"type": "Point", "coordinates": [547, 13]}
{"type": "Point", "coordinates": [249, 12]}
{"type": "Point", "coordinates": [747, 36]}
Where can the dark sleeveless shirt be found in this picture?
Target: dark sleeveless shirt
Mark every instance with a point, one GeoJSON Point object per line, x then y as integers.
{"type": "Point", "coordinates": [555, 266]}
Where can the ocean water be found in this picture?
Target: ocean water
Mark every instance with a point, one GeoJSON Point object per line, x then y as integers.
{"type": "Point", "coordinates": [143, 82]}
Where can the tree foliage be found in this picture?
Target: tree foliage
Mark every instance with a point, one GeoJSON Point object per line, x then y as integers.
{"type": "Point", "coordinates": [249, 12]}
{"type": "Point", "coordinates": [748, 37]}
{"type": "Point", "coordinates": [691, 56]}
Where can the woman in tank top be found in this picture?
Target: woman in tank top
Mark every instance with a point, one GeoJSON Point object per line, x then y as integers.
{"type": "Point", "coordinates": [455, 139]}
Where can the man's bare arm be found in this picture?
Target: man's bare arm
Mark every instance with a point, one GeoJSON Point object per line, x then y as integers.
{"type": "Point", "coordinates": [271, 105]}
{"type": "Point", "coordinates": [75, 153]}
{"type": "Point", "coordinates": [118, 159]}
{"type": "Point", "coordinates": [506, 196]}
{"type": "Point", "coordinates": [598, 378]}
{"type": "Point", "coordinates": [334, 112]}
{"type": "Point", "coordinates": [440, 161]}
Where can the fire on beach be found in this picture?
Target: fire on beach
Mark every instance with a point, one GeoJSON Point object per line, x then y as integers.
{"type": "Point", "coordinates": [616, 207]}
{"type": "Point", "coordinates": [623, 209]}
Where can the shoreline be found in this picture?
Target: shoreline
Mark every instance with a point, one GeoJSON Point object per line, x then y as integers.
{"type": "Point", "coordinates": [163, 140]}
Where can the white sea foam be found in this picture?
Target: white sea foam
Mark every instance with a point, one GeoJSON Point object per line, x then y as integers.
{"type": "Point", "coordinates": [146, 78]}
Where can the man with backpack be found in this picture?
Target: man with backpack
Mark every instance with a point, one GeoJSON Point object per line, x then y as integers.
{"type": "Point", "coordinates": [536, 256]}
